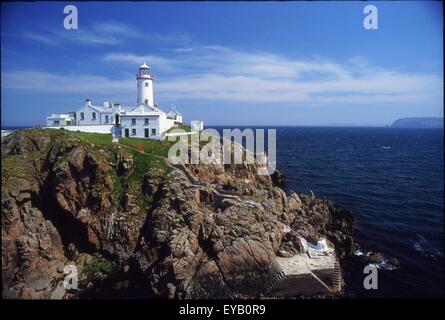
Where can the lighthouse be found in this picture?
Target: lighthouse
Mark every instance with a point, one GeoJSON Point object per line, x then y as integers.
{"type": "Point", "coordinates": [145, 86]}
{"type": "Point", "coordinates": [144, 120]}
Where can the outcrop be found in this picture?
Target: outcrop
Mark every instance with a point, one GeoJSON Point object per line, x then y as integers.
{"type": "Point", "coordinates": [133, 225]}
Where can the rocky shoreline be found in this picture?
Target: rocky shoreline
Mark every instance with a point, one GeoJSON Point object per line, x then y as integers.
{"type": "Point", "coordinates": [196, 231]}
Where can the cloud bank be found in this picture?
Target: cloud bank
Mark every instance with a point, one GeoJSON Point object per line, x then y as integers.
{"type": "Point", "coordinates": [215, 73]}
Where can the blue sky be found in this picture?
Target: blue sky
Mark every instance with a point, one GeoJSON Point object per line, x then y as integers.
{"type": "Point", "coordinates": [290, 63]}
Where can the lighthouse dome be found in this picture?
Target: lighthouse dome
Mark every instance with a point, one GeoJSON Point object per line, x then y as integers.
{"type": "Point", "coordinates": [144, 66]}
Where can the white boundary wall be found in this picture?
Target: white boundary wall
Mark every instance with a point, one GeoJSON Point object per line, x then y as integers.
{"type": "Point", "coordinates": [104, 128]}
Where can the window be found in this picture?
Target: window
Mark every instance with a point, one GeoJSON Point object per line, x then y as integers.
{"type": "Point", "coordinates": [133, 132]}
{"type": "Point", "coordinates": [82, 116]}
{"type": "Point", "coordinates": [133, 121]}
{"type": "Point", "coordinates": [146, 101]}
{"type": "Point", "coordinates": [146, 133]}
{"type": "Point", "coordinates": [146, 84]}
{"type": "Point", "coordinates": [153, 132]}
{"type": "Point", "coordinates": [146, 121]}
{"type": "Point", "coordinates": [56, 122]}
{"type": "Point", "coordinates": [94, 115]}
{"type": "Point", "coordinates": [106, 119]}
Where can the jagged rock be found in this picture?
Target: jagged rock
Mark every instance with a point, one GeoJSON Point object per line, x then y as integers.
{"type": "Point", "coordinates": [64, 200]}
{"type": "Point", "coordinates": [375, 257]}
{"type": "Point", "coordinates": [278, 178]}
{"type": "Point", "coordinates": [294, 202]}
{"type": "Point", "coordinates": [171, 290]}
{"type": "Point", "coordinates": [59, 292]}
{"type": "Point", "coordinates": [76, 159]}
{"type": "Point", "coordinates": [208, 283]}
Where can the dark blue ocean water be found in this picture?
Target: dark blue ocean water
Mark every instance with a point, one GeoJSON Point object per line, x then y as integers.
{"type": "Point", "coordinates": [393, 182]}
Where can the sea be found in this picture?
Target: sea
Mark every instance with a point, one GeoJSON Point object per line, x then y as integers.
{"type": "Point", "coordinates": [392, 180]}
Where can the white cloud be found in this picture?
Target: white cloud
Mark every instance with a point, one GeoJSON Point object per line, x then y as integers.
{"type": "Point", "coordinates": [188, 49]}
{"type": "Point", "coordinates": [109, 33]}
{"type": "Point", "coordinates": [40, 38]}
{"type": "Point", "coordinates": [135, 60]}
{"type": "Point", "coordinates": [221, 74]}
{"type": "Point", "coordinates": [216, 73]}
{"type": "Point", "coordinates": [83, 85]}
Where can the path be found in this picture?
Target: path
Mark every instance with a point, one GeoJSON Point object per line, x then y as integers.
{"type": "Point", "coordinates": [194, 183]}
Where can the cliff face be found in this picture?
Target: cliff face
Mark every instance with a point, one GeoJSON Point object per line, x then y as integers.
{"type": "Point", "coordinates": [201, 231]}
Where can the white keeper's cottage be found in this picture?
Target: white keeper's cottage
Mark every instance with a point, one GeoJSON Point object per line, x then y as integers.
{"type": "Point", "coordinates": [145, 120]}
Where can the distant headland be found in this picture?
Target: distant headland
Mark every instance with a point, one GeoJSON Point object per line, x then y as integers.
{"type": "Point", "coordinates": [429, 122]}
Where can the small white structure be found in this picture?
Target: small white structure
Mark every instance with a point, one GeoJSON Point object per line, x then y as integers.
{"type": "Point", "coordinates": [145, 120]}
{"type": "Point", "coordinates": [314, 251]}
{"type": "Point", "coordinates": [63, 119]}
{"type": "Point", "coordinates": [175, 115]}
{"type": "Point", "coordinates": [197, 125]}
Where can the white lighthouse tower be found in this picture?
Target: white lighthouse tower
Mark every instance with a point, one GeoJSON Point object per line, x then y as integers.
{"type": "Point", "coordinates": [145, 86]}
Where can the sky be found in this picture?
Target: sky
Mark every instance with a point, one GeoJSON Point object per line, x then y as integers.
{"type": "Point", "coordinates": [229, 63]}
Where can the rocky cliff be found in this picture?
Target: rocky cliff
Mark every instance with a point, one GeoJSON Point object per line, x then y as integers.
{"type": "Point", "coordinates": [128, 220]}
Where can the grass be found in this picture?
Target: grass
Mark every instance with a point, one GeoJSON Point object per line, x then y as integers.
{"type": "Point", "coordinates": [152, 158]}
{"type": "Point", "coordinates": [96, 138]}
{"type": "Point", "coordinates": [155, 147]}
{"type": "Point", "coordinates": [181, 126]}
{"type": "Point", "coordinates": [143, 163]}
{"type": "Point", "coordinates": [15, 168]}
{"type": "Point", "coordinates": [118, 189]}
{"type": "Point", "coordinates": [98, 265]}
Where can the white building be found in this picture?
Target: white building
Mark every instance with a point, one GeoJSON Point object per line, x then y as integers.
{"type": "Point", "coordinates": [60, 120]}
{"type": "Point", "coordinates": [94, 115]}
{"type": "Point", "coordinates": [175, 115]}
{"type": "Point", "coordinates": [145, 120]}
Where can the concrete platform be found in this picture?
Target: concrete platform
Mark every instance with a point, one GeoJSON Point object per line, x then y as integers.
{"type": "Point", "coordinates": [304, 275]}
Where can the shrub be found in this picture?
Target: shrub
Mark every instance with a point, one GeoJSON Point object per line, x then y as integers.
{"type": "Point", "coordinates": [96, 268]}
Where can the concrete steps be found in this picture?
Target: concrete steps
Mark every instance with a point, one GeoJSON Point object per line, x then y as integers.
{"type": "Point", "coordinates": [274, 281]}
{"type": "Point", "coordinates": [337, 281]}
